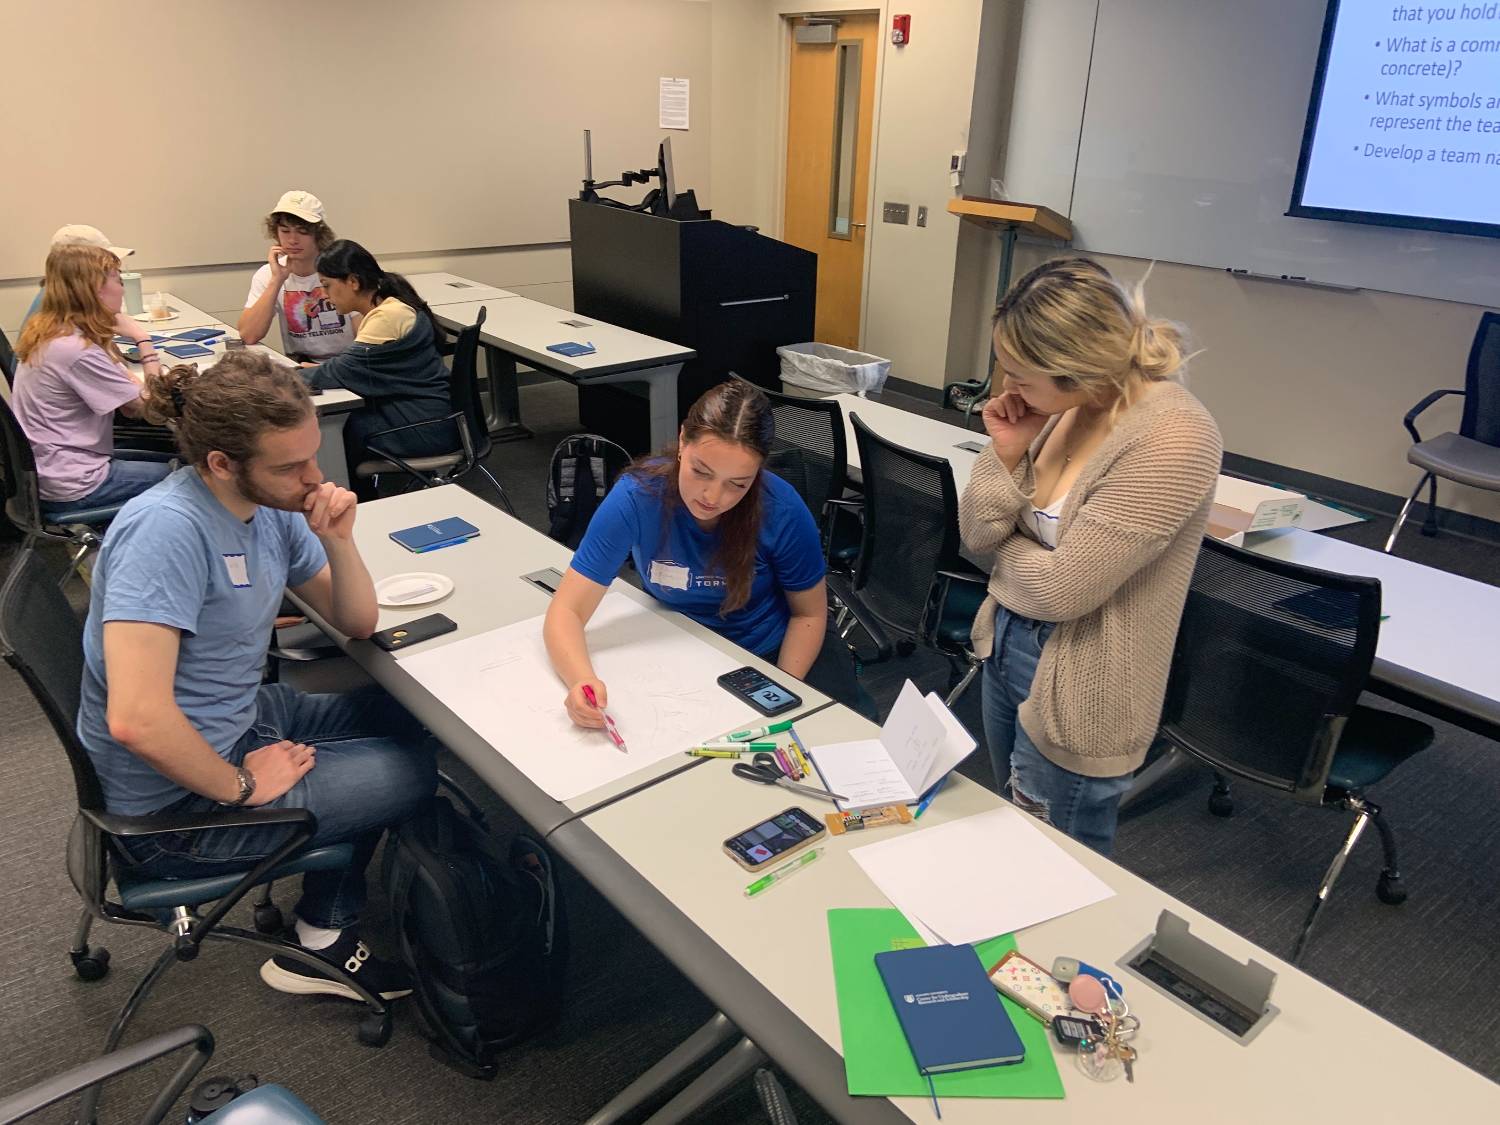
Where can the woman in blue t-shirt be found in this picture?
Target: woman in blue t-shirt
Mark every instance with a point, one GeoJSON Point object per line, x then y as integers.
{"type": "Point", "coordinates": [714, 536]}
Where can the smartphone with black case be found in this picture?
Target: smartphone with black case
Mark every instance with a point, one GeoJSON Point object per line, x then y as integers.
{"type": "Point", "coordinates": [759, 690]}
{"type": "Point", "coordinates": [413, 632]}
{"type": "Point", "coordinates": [785, 833]}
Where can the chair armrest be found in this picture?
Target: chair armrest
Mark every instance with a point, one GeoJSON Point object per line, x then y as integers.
{"type": "Point", "coordinates": [455, 416]}
{"type": "Point", "coordinates": [843, 590]}
{"type": "Point", "coordinates": [465, 441]}
{"type": "Point", "coordinates": [91, 1073]}
{"type": "Point", "coordinates": [156, 824]}
{"type": "Point", "coordinates": [1410, 421]}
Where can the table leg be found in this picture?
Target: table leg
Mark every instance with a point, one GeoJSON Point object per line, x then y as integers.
{"type": "Point", "coordinates": [331, 452]}
{"type": "Point", "coordinates": [661, 390]}
{"type": "Point", "coordinates": [666, 1071]}
{"type": "Point", "coordinates": [505, 396]}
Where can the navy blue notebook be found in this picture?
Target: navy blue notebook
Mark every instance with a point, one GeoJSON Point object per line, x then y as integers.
{"type": "Point", "coordinates": [430, 536]}
{"type": "Point", "coordinates": [950, 1012]}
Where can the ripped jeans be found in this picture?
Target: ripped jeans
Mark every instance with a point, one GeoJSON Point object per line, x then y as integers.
{"type": "Point", "coordinates": [1086, 808]}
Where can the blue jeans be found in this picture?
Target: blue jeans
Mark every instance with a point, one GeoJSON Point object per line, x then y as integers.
{"type": "Point", "coordinates": [1086, 808]}
{"type": "Point", "coordinates": [126, 478]}
{"type": "Point", "coordinates": [373, 771]}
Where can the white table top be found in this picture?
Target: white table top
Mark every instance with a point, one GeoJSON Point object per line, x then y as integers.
{"type": "Point", "coordinates": [187, 316]}
{"type": "Point", "coordinates": [524, 328]}
{"type": "Point", "coordinates": [925, 435]}
{"type": "Point", "coordinates": [1300, 1067]}
{"type": "Point", "coordinates": [450, 289]}
{"type": "Point", "coordinates": [489, 591]}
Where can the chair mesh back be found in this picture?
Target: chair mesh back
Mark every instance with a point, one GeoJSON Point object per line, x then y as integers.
{"type": "Point", "coordinates": [1270, 656]}
{"type": "Point", "coordinates": [911, 529]}
{"type": "Point", "coordinates": [43, 641]}
{"type": "Point", "coordinates": [7, 360]}
{"type": "Point", "coordinates": [1481, 419]}
{"type": "Point", "coordinates": [464, 386]}
{"type": "Point", "coordinates": [18, 484]}
{"type": "Point", "coordinates": [808, 450]}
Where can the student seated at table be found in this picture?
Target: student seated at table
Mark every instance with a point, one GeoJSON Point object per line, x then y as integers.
{"type": "Point", "coordinates": [716, 536]}
{"type": "Point", "coordinates": [79, 234]}
{"type": "Point", "coordinates": [287, 288]}
{"type": "Point", "coordinates": [71, 378]}
{"type": "Point", "coordinates": [393, 363]}
{"type": "Point", "coordinates": [1093, 495]}
{"type": "Point", "coordinates": [174, 714]}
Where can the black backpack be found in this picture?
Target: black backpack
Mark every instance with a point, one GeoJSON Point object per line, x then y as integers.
{"type": "Point", "coordinates": [482, 930]}
{"type": "Point", "coordinates": [584, 467]}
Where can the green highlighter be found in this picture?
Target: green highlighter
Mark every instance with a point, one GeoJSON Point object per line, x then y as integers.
{"type": "Point", "coordinates": [758, 732]}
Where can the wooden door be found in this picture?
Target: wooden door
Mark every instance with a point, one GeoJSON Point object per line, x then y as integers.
{"type": "Point", "coordinates": [831, 105]}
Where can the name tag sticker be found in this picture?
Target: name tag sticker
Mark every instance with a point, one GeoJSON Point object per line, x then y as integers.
{"type": "Point", "coordinates": [239, 571]}
{"type": "Point", "coordinates": [669, 576]}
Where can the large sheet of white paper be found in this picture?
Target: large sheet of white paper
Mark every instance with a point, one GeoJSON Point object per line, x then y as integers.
{"type": "Point", "coordinates": [919, 743]}
{"type": "Point", "coordinates": [662, 692]}
{"type": "Point", "coordinates": [973, 879]}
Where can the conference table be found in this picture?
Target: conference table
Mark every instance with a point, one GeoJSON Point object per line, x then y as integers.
{"type": "Point", "coordinates": [450, 289]}
{"type": "Point", "coordinates": [333, 406]}
{"type": "Point", "coordinates": [765, 962]}
{"type": "Point", "coordinates": [184, 315]}
{"type": "Point", "coordinates": [1432, 654]}
{"type": "Point", "coordinates": [520, 329]}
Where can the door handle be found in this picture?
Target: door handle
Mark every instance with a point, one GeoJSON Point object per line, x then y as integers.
{"type": "Point", "coordinates": [859, 226]}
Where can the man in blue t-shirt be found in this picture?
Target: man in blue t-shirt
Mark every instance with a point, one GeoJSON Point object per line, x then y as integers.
{"type": "Point", "coordinates": [173, 713]}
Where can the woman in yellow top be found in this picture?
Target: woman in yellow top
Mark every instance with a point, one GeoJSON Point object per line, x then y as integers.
{"type": "Point", "coordinates": [393, 363]}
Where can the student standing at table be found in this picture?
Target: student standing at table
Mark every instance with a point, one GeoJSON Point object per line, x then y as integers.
{"type": "Point", "coordinates": [716, 536]}
{"type": "Point", "coordinates": [1093, 496]}
{"type": "Point", "coordinates": [393, 363]}
{"type": "Point", "coordinates": [71, 378]}
{"type": "Point", "coordinates": [287, 288]}
{"type": "Point", "coordinates": [173, 712]}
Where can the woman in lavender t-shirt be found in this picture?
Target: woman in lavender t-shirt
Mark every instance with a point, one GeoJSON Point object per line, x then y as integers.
{"type": "Point", "coordinates": [71, 379]}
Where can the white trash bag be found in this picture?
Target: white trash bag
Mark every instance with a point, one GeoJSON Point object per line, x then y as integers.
{"type": "Point", "coordinates": [831, 370]}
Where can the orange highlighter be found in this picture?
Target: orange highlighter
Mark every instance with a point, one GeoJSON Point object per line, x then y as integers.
{"type": "Point", "coordinates": [609, 723]}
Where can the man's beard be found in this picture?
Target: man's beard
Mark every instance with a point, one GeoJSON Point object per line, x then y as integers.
{"type": "Point", "coordinates": [256, 495]}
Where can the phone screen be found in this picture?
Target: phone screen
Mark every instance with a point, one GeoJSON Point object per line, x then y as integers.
{"type": "Point", "coordinates": [783, 833]}
{"type": "Point", "coordinates": [772, 697]}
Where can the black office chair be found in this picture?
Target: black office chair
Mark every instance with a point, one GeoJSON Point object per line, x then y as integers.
{"type": "Point", "coordinates": [1270, 661]}
{"type": "Point", "coordinates": [23, 504]}
{"type": "Point", "coordinates": [809, 453]}
{"type": "Point", "coordinates": [911, 586]}
{"type": "Point", "coordinates": [43, 641]}
{"type": "Point", "coordinates": [1471, 456]}
{"type": "Point", "coordinates": [7, 360]}
{"type": "Point", "coordinates": [467, 420]}
{"type": "Point", "coordinates": [262, 1105]}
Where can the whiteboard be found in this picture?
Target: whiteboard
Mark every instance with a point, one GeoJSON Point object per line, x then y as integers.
{"type": "Point", "coordinates": [1191, 128]}
{"type": "Point", "coordinates": [175, 125]}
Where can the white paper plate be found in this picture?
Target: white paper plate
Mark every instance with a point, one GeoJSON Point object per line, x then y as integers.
{"type": "Point", "coordinates": [416, 588]}
{"type": "Point", "coordinates": [147, 318]}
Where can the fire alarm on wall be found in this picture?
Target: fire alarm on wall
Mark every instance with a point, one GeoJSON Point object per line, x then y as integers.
{"type": "Point", "coordinates": [900, 30]}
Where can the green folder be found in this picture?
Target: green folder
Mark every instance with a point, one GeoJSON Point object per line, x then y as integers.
{"type": "Point", "coordinates": [876, 1057]}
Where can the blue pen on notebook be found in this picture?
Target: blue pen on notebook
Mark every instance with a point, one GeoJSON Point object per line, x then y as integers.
{"type": "Point", "coordinates": [931, 793]}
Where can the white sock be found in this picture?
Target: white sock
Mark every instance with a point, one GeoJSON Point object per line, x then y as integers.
{"type": "Point", "coordinates": [313, 937]}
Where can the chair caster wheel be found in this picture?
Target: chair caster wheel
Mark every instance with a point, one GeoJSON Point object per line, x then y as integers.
{"type": "Point", "coordinates": [1221, 804]}
{"type": "Point", "coordinates": [268, 919]}
{"type": "Point", "coordinates": [92, 963]}
{"type": "Point", "coordinates": [375, 1030]}
{"type": "Point", "coordinates": [1389, 889]}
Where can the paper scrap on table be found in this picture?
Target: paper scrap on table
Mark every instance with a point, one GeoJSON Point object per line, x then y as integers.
{"type": "Point", "coordinates": [672, 103]}
{"type": "Point", "coordinates": [663, 693]}
{"type": "Point", "coordinates": [972, 879]}
{"type": "Point", "coordinates": [919, 743]}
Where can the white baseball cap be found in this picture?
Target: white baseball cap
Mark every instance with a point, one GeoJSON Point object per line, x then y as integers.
{"type": "Point", "coordinates": [77, 234]}
{"type": "Point", "coordinates": [303, 204]}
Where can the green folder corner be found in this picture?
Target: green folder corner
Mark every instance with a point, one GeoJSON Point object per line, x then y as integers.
{"type": "Point", "coordinates": [876, 1058]}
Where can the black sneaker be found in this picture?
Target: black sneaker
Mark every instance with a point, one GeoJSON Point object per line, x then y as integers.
{"type": "Point", "coordinates": [387, 979]}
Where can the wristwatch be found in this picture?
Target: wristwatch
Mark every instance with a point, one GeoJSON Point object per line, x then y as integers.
{"type": "Point", "coordinates": [246, 781]}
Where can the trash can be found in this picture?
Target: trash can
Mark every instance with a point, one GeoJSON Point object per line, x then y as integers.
{"type": "Point", "coordinates": [823, 369]}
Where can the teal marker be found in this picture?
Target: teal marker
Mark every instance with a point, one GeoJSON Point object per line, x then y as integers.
{"type": "Point", "coordinates": [771, 878]}
{"type": "Point", "coordinates": [758, 732]}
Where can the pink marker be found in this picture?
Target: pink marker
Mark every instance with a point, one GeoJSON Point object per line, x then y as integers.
{"type": "Point", "coordinates": [609, 723]}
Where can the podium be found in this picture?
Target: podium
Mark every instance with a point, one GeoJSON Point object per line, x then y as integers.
{"type": "Point", "coordinates": [1008, 220]}
{"type": "Point", "coordinates": [729, 293]}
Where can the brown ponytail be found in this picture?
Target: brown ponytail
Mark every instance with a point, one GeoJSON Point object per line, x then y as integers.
{"type": "Point", "coordinates": [228, 406]}
{"type": "Point", "coordinates": [734, 411]}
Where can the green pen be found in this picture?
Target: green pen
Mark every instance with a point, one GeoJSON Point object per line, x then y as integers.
{"type": "Point", "coordinates": [771, 878]}
{"type": "Point", "coordinates": [758, 732]}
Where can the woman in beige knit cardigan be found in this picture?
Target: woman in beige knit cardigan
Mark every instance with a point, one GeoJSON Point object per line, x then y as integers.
{"type": "Point", "coordinates": [1092, 498]}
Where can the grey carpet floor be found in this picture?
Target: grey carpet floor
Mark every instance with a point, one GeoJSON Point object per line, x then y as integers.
{"type": "Point", "coordinates": [1417, 964]}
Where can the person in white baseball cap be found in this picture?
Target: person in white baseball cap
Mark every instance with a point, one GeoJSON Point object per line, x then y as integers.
{"type": "Point", "coordinates": [81, 234]}
{"type": "Point", "coordinates": [287, 288]}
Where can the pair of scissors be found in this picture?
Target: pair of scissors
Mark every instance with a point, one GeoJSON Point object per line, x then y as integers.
{"type": "Point", "coordinates": [762, 768]}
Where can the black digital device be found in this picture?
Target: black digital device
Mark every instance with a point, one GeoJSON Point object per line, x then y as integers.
{"type": "Point", "coordinates": [783, 834]}
{"type": "Point", "coordinates": [413, 632]}
{"type": "Point", "coordinates": [759, 690]}
{"type": "Point", "coordinates": [1073, 1030]}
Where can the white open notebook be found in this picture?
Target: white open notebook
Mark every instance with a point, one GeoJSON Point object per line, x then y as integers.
{"type": "Point", "coordinates": [919, 743]}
